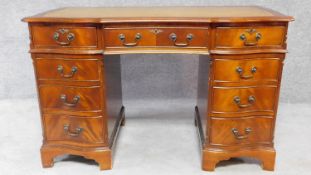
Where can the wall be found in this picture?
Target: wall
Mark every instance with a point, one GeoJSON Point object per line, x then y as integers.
{"type": "Point", "coordinates": [150, 76]}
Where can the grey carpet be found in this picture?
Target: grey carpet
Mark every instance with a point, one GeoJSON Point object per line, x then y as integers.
{"type": "Point", "coordinates": [159, 138]}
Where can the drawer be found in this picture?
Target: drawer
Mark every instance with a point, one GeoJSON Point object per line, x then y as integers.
{"type": "Point", "coordinates": [59, 36]}
{"type": "Point", "coordinates": [129, 37]}
{"type": "Point", "coordinates": [183, 37]}
{"type": "Point", "coordinates": [78, 129]}
{"type": "Point", "coordinates": [241, 131]}
{"type": "Point", "coordinates": [67, 69]}
{"type": "Point", "coordinates": [239, 70]}
{"type": "Point", "coordinates": [249, 37]}
{"type": "Point", "coordinates": [70, 98]}
{"type": "Point", "coordinates": [246, 99]}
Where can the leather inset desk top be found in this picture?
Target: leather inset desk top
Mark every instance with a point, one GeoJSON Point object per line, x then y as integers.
{"type": "Point", "coordinates": [123, 14]}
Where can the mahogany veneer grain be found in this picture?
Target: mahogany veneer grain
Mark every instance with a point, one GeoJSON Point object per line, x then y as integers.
{"type": "Point", "coordinates": [76, 57]}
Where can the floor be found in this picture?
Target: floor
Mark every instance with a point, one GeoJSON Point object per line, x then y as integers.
{"type": "Point", "coordinates": [159, 138]}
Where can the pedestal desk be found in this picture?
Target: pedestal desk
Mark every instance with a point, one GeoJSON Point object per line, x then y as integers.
{"type": "Point", "coordinates": [76, 56]}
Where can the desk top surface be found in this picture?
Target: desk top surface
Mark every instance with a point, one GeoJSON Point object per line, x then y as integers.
{"type": "Point", "coordinates": [140, 14]}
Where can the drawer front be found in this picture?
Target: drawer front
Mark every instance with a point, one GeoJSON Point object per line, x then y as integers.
{"type": "Point", "coordinates": [58, 36]}
{"type": "Point", "coordinates": [241, 131]}
{"type": "Point", "coordinates": [249, 37]}
{"type": "Point", "coordinates": [70, 98]}
{"type": "Point", "coordinates": [129, 37]}
{"type": "Point", "coordinates": [248, 99]}
{"type": "Point", "coordinates": [67, 69]}
{"type": "Point", "coordinates": [182, 37]}
{"type": "Point", "coordinates": [74, 128]}
{"type": "Point", "coordinates": [266, 69]}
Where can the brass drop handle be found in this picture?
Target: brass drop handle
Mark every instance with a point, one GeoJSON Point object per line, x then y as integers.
{"type": "Point", "coordinates": [75, 133]}
{"type": "Point", "coordinates": [238, 136]}
{"type": "Point", "coordinates": [69, 36]}
{"type": "Point", "coordinates": [60, 69]}
{"type": "Point", "coordinates": [247, 41]}
{"type": "Point", "coordinates": [122, 38]}
{"type": "Point", "coordinates": [251, 100]}
{"type": "Point", "coordinates": [74, 102]}
{"type": "Point", "coordinates": [240, 71]}
{"type": "Point", "coordinates": [173, 37]}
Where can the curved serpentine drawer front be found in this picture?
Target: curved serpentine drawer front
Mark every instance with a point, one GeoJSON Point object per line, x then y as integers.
{"type": "Point", "coordinates": [250, 37]}
{"type": "Point", "coordinates": [70, 98]}
{"type": "Point", "coordinates": [67, 69]}
{"type": "Point", "coordinates": [74, 129]}
{"type": "Point", "coordinates": [246, 99]}
{"type": "Point", "coordinates": [241, 70]}
{"type": "Point", "coordinates": [64, 36]}
{"type": "Point", "coordinates": [152, 37]}
{"type": "Point", "coordinates": [241, 131]}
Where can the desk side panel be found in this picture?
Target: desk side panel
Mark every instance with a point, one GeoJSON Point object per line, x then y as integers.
{"type": "Point", "coordinates": [202, 96]}
{"type": "Point", "coordinates": [112, 72]}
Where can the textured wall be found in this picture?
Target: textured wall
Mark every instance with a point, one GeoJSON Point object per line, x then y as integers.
{"type": "Point", "coordinates": [150, 76]}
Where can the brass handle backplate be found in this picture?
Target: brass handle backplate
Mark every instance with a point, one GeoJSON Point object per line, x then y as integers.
{"type": "Point", "coordinates": [60, 69]}
{"type": "Point", "coordinates": [251, 101]}
{"type": "Point", "coordinates": [74, 102]}
{"type": "Point", "coordinates": [69, 37]}
{"type": "Point", "coordinates": [122, 38]}
{"type": "Point", "coordinates": [74, 133]}
{"type": "Point", "coordinates": [238, 136]}
{"type": "Point", "coordinates": [251, 42]}
{"type": "Point", "coordinates": [240, 71]}
{"type": "Point", "coordinates": [173, 37]}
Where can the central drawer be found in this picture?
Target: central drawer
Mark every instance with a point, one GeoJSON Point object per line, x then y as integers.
{"type": "Point", "coordinates": [177, 37]}
{"type": "Point", "coordinates": [69, 98]}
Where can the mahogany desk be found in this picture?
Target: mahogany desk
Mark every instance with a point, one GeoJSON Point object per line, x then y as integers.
{"type": "Point", "coordinates": [76, 57]}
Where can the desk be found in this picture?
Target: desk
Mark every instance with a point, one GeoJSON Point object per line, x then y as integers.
{"type": "Point", "coordinates": [76, 56]}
